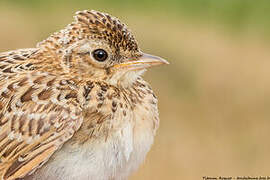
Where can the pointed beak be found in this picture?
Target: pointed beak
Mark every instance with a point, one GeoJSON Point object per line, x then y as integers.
{"type": "Point", "coordinates": [143, 62]}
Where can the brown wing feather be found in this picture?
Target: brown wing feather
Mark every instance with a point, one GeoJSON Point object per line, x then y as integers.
{"type": "Point", "coordinates": [16, 61]}
{"type": "Point", "coordinates": [38, 114]}
{"type": "Point", "coordinates": [28, 139]}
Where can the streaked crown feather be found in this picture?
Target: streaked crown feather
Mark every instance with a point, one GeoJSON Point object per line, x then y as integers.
{"type": "Point", "coordinates": [94, 25]}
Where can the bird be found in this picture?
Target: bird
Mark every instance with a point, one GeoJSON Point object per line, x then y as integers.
{"type": "Point", "coordinates": [76, 106]}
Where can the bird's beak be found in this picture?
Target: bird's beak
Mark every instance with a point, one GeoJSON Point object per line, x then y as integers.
{"type": "Point", "coordinates": [145, 61]}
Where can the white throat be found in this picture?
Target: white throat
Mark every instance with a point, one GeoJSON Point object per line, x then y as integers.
{"type": "Point", "coordinates": [126, 78]}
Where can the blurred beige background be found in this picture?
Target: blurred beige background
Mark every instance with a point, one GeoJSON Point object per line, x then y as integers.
{"type": "Point", "coordinates": [214, 97]}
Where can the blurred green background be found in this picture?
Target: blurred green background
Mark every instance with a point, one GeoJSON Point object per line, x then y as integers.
{"type": "Point", "coordinates": [214, 97]}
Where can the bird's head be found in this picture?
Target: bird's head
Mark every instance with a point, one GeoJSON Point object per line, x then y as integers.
{"type": "Point", "coordinates": [97, 45]}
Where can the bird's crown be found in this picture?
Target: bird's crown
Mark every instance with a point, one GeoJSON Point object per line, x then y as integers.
{"type": "Point", "coordinates": [94, 25]}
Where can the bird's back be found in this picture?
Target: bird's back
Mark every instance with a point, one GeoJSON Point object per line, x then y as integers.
{"type": "Point", "coordinates": [13, 62]}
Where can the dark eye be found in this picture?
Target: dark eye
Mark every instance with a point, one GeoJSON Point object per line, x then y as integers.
{"type": "Point", "coordinates": [100, 55]}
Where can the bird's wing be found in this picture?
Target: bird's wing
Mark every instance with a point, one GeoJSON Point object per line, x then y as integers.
{"type": "Point", "coordinates": [16, 61]}
{"type": "Point", "coordinates": [38, 114]}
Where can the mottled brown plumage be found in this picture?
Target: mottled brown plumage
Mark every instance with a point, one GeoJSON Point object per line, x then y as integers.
{"type": "Point", "coordinates": [78, 91]}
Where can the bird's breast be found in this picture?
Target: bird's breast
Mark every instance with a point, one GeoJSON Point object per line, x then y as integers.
{"type": "Point", "coordinates": [116, 158]}
{"type": "Point", "coordinates": [111, 149]}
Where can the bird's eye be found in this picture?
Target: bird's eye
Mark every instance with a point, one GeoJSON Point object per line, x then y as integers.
{"type": "Point", "coordinates": [100, 55]}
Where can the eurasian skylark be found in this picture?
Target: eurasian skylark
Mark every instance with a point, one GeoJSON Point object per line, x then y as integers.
{"type": "Point", "coordinates": [76, 107]}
